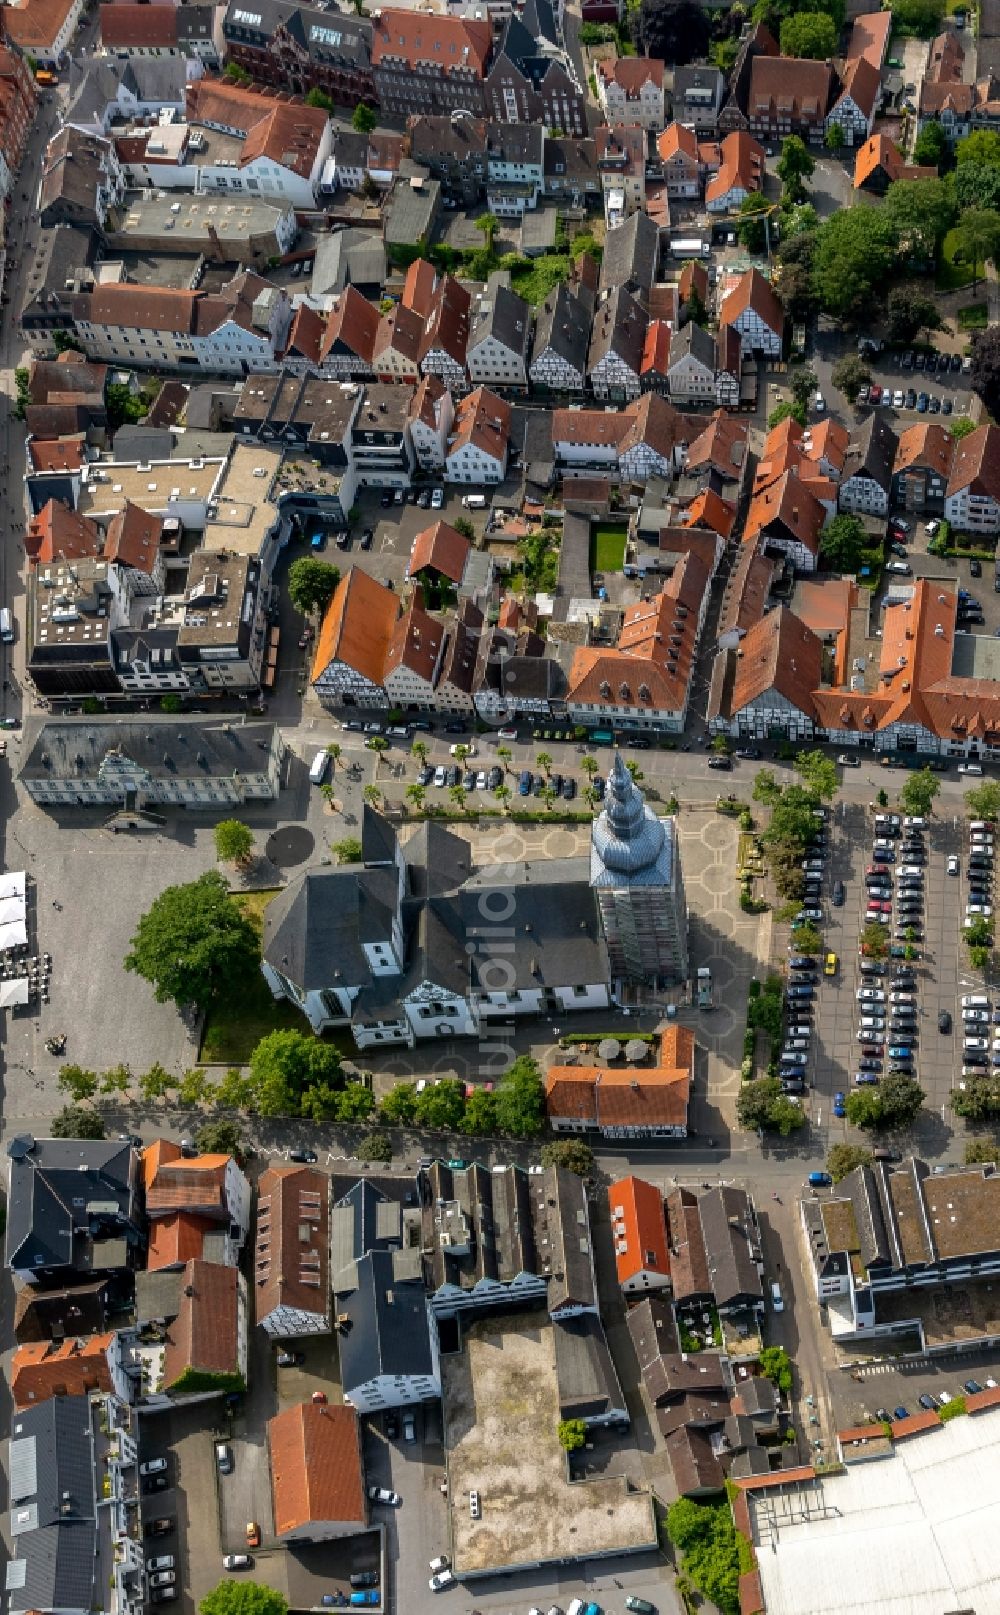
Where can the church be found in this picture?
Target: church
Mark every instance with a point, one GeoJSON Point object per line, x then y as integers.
{"type": "Point", "coordinates": [421, 942]}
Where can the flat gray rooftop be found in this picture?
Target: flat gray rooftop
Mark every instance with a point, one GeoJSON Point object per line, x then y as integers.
{"type": "Point", "coordinates": [976, 656]}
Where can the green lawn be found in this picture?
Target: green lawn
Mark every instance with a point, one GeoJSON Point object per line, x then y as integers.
{"type": "Point", "coordinates": [608, 547]}
{"type": "Point", "coordinates": [973, 317]}
{"type": "Point", "coordinates": [952, 276]}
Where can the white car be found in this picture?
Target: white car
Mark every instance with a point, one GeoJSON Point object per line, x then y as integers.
{"type": "Point", "coordinates": [954, 867]}
{"type": "Point", "coordinates": [976, 1017]}
{"type": "Point", "coordinates": [872, 1023]}
{"type": "Point", "coordinates": [913, 821]}
{"type": "Point", "coordinates": [847, 760]}
{"type": "Point", "coordinates": [382, 1494]}
{"type": "Point", "coordinates": [902, 998]}
{"type": "Point", "coordinates": [440, 776]}
{"type": "Point", "coordinates": [972, 1043]}
{"type": "Point", "coordinates": [897, 399]}
{"type": "Point", "coordinates": [165, 1561]}
{"type": "Point", "coordinates": [153, 1466]}
{"type": "Point", "coordinates": [984, 910]}
{"type": "Point", "coordinates": [871, 995]}
{"type": "Point", "coordinates": [970, 768]}
{"type": "Point", "coordinates": [437, 499]}
{"type": "Point", "coordinates": [799, 1031]}
{"type": "Point", "coordinates": [866, 1036]}
{"type": "Point", "coordinates": [444, 1578]}
{"type": "Point", "coordinates": [819, 403]}
{"type": "Point", "coordinates": [442, 1562]}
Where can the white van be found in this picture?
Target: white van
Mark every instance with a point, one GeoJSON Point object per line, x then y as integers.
{"type": "Point", "coordinates": [474, 501]}
{"type": "Point", "coordinates": [575, 1607]}
{"type": "Point", "coordinates": [777, 1300]}
{"type": "Point", "coordinates": [975, 1001]}
{"type": "Point", "coordinates": [6, 625]}
{"type": "Point", "coordinates": [318, 768]}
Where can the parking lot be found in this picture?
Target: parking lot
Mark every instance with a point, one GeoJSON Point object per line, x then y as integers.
{"type": "Point", "coordinates": [940, 972]}
{"type": "Point", "coordinates": [888, 1386]}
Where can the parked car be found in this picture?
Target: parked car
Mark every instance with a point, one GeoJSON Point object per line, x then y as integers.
{"type": "Point", "coordinates": [153, 1466]}
{"type": "Point", "coordinates": [382, 1494]}
{"type": "Point", "coordinates": [160, 1527]}
{"type": "Point", "coordinates": [237, 1561]}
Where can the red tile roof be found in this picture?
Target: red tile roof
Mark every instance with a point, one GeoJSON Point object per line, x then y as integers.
{"type": "Point", "coordinates": [357, 627]}
{"type": "Point", "coordinates": [56, 454]}
{"type": "Point", "coordinates": [655, 1096]}
{"type": "Point", "coordinates": [57, 531]}
{"type": "Point", "coordinates": [418, 287]}
{"type": "Point", "coordinates": [205, 1335]}
{"type": "Point", "coordinates": [354, 322]}
{"type": "Point", "coordinates": [861, 81]}
{"type": "Point", "coordinates": [60, 1368]}
{"type": "Point", "coordinates": [316, 1473]}
{"type": "Point", "coordinates": [784, 87]}
{"type": "Point", "coordinates": [915, 1425]}
{"type": "Point", "coordinates": [426, 39]}
{"type": "Point", "coordinates": [281, 131]}
{"type": "Point", "coordinates": [145, 26]}
{"type": "Point", "coordinates": [133, 538]}
{"type": "Point", "coordinates": [36, 24]}
{"type": "Point", "coordinates": [292, 1250]}
{"type": "Point", "coordinates": [977, 463]}
{"type": "Point", "coordinates": [483, 420]}
{"type": "Point", "coordinates": [306, 334]}
{"type": "Point", "coordinates": [195, 1184]}
{"type": "Point", "coordinates": [631, 73]}
{"type": "Point", "coordinates": [752, 291]}
{"type": "Point", "coordinates": [639, 1229]}
{"type": "Point", "coordinates": [779, 653]}
{"type": "Point", "coordinates": [741, 167]}
{"type": "Point", "coordinates": [417, 641]}
{"type": "Point", "coordinates": [442, 549]}
{"type": "Point", "coordinates": [870, 37]}
{"type": "Point", "coordinates": [177, 1239]}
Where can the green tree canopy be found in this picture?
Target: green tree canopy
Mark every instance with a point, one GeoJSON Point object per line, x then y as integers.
{"type": "Point", "coordinates": [311, 584]}
{"type": "Point", "coordinates": [194, 944]}
{"type": "Point", "coordinates": [480, 1118]}
{"type": "Point", "coordinates": [287, 1063]}
{"type": "Point", "coordinates": [375, 1147]}
{"type": "Point", "coordinates": [809, 34]}
{"type": "Point", "coordinates": [920, 17]}
{"type": "Point", "coordinates": [74, 1121]}
{"type": "Point", "coordinates": [442, 1104]}
{"type": "Point", "coordinates": [921, 211]}
{"type": "Point", "coordinates": [398, 1108]}
{"type": "Point", "coordinates": [782, 412]}
{"type": "Point", "coordinates": [981, 1152]}
{"type": "Point", "coordinates": [364, 118]}
{"type": "Point", "coordinates": [833, 140]}
{"type": "Point", "coordinates": [932, 148]}
{"type": "Point", "coordinates": [319, 98]}
{"type": "Point", "coordinates": [910, 311]}
{"type": "Point", "coordinates": [843, 1158]}
{"type": "Point", "coordinates": [751, 227]}
{"type": "Point", "coordinates": [855, 254]}
{"type": "Point", "coordinates": [77, 1083]}
{"type": "Point", "coordinates": [761, 1105]}
{"type": "Point", "coordinates": [849, 375]}
{"type": "Point", "coordinates": [236, 1597]}
{"type": "Point", "coordinates": [895, 1102]}
{"type": "Point", "coordinates": [874, 940]}
{"type": "Point", "coordinates": [819, 775]}
{"type": "Point", "coordinates": [347, 851]}
{"type": "Point", "coordinates": [706, 1536]}
{"type": "Point", "coordinates": [574, 1154]}
{"type": "Point", "coordinates": [520, 1100]}
{"type": "Point", "coordinates": [976, 185]}
{"type": "Point", "coordinates": [803, 382]}
{"type": "Point", "coordinates": [982, 146]}
{"type": "Point", "coordinates": [776, 1365]}
{"type": "Point", "coordinates": [796, 161]}
{"type": "Point", "coordinates": [233, 841]}
{"type": "Point", "coordinates": [976, 237]}
{"type": "Point", "coordinates": [842, 544]}
{"type": "Point", "coordinates": [572, 1434]}
{"type": "Point", "coordinates": [983, 801]}
{"type": "Point", "coordinates": [919, 791]}
{"type": "Point", "coordinates": [219, 1137]}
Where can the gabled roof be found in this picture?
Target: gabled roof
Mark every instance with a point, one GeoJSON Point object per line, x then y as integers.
{"type": "Point", "coordinates": [631, 73]}
{"type": "Point", "coordinates": [741, 167]}
{"type": "Point", "coordinates": [639, 1229]}
{"type": "Point", "coordinates": [482, 420]}
{"type": "Point", "coordinates": [654, 1096]}
{"type": "Point", "coordinates": [133, 538]}
{"type": "Point", "coordinates": [676, 139]}
{"type": "Point", "coordinates": [58, 531]}
{"type": "Point", "coordinates": [38, 24]}
{"type": "Point", "coordinates": [789, 88]}
{"type": "Point", "coordinates": [977, 464]}
{"type": "Point", "coordinates": [354, 323]}
{"type": "Point", "coordinates": [927, 445]}
{"type": "Point", "coordinates": [871, 452]}
{"type": "Point", "coordinates": [291, 1265]}
{"type": "Point", "coordinates": [195, 1183]}
{"type": "Point", "coordinates": [125, 25]}
{"type": "Point", "coordinates": [870, 37]}
{"type": "Point", "coordinates": [688, 1261]}
{"type": "Point", "coordinates": [779, 653]}
{"type": "Point", "coordinates": [441, 549]}
{"type": "Point", "coordinates": [786, 509]}
{"type": "Point", "coordinates": [71, 1367]}
{"type": "Point", "coordinates": [306, 333]}
{"type": "Point", "coordinates": [357, 627]}
{"type": "Point", "coordinates": [417, 641]}
{"type": "Point", "coordinates": [447, 321]}
{"type": "Point", "coordinates": [178, 1238]}
{"type": "Point", "coordinates": [428, 39]}
{"type": "Point", "coordinates": [861, 82]}
{"type": "Point", "coordinates": [631, 255]}
{"type": "Point", "coordinates": [619, 329]}
{"type": "Point", "coordinates": [563, 324]}
{"type": "Point", "coordinates": [205, 1335]}
{"type": "Point", "coordinates": [282, 132]}
{"type": "Point", "coordinates": [316, 1472]}
{"type": "Point", "coordinates": [752, 291]}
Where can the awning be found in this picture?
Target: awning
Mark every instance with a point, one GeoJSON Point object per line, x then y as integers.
{"type": "Point", "coordinates": [13, 992]}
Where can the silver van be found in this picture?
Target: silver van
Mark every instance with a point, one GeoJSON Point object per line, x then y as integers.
{"type": "Point", "coordinates": [6, 625]}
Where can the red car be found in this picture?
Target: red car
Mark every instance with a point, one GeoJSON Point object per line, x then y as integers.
{"type": "Point", "coordinates": [879, 906]}
{"type": "Point", "coordinates": [875, 396]}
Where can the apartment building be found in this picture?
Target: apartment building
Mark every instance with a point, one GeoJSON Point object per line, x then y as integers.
{"type": "Point", "coordinates": [301, 48]}
{"type": "Point", "coordinates": [240, 329]}
{"type": "Point", "coordinates": [424, 62]}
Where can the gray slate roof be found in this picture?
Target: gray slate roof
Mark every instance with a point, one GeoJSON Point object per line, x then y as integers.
{"type": "Point", "coordinates": [56, 1561]}
{"type": "Point", "coordinates": [631, 254]}
{"type": "Point", "coordinates": [63, 1192]}
{"type": "Point", "coordinates": [563, 324]}
{"type": "Point", "coordinates": [166, 748]}
{"type": "Point", "coordinates": [500, 313]}
{"type": "Point", "coordinates": [871, 452]}
{"type": "Point", "coordinates": [695, 341]}
{"type": "Point", "coordinates": [731, 1245]}
{"type": "Point", "coordinates": [562, 1238]}
{"type": "Point", "coordinates": [620, 329]}
{"type": "Point", "coordinates": [389, 1332]}
{"type": "Point", "coordinates": [585, 1373]}
{"type": "Point", "coordinates": [314, 929]}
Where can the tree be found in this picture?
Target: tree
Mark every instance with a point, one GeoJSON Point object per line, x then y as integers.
{"type": "Point", "coordinates": [417, 795]}
{"type": "Point", "coordinates": [233, 841]}
{"type": "Point", "coordinates": [910, 311]}
{"type": "Point", "coordinates": [803, 382]}
{"type": "Point", "coordinates": [334, 752]}
{"type": "Point", "coordinates": [117, 1079]}
{"type": "Point", "coordinates": [234, 1091]}
{"type": "Point", "coordinates": [982, 146]}
{"type": "Point", "coordinates": [674, 31]}
{"type": "Point", "coordinates": [319, 98]}
{"type": "Point", "coordinates": [219, 1138]}
{"type": "Point", "coordinates": [918, 793]}
{"type": "Point", "coordinates": [480, 1118]}
{"type": "Point", "coordinates": [961, 428]}
{"type": "Point", "coordinates": [783, 411]}
{"type": "Point", "coordinates": [375, 1147]}
{"type": "Point", "coordinates": [894, 1103]}
{"type": "Point", "coordinates": [463, 525]}
{"type": "Point", "coordinates": [818, 773]}
{"type": "Point", "coordinates": [156, 1083]}
{"type": "Point", "coordinates": [123, 405]}
{"type": "Point", "coordinates": [379, 745]}
{"type": "Point", "coordinates": [932, 148]}
{"type": "Point", "coordinates": [504, 755]}
{"type": "Point", "coordinates": [979, 1099]}
{"type": "Point", "coordinates": [707, 1538]}
{"type": "Point", "coordinates": [796, 162]}
{"type": "Point", "coordinates": [809, 34]}
{"type": "Point", "coordinates": [766, 789]}
{"type": "Point", "coordinates": [981, 1152]}
{"type": "Point", "coordinates": [842, 544]}
{"type": "Point", "coordinates": [489, 224]}
{"type": "Point", "coordinates": [976, 237]}
{"type": "Point", "coordinates": [572, 1154]}
{"type": "Point", "coordinates": [520, 1100]}
{"type": "Point", "coordinates": [364, 118]}
{"type": "Point", "coordinates": [761, 1106]}
{"type": "Point", "coordinates": [808, 940]}
{"type": "Point", "coordinates": [863, 1108]}
{"type": "Point", "coordinates": [849, 375]}
{"type": "Point", "coordinates": [572, 1434]}
{"type": "Point", "coordinates": [286, 1063]}
{"type": "Point", "coordinates": [976, 185]}
{"type": "Point", "coordinates": [590, 766]}
{"type": "Point", "coordinates": [355, 1103]}
{"type": "Point", "coordinates": [399, 1106]}
{"type": "Point", "coordinates": [419, 751]}
{"type": "Point", "coordinates": [843, 1158]}
{"type": "Point", "coordinates": [311, 584]}
{"type": "Point", "coordinates": [854, 256]}
{"type": "Point", "coordinates": [236, 1597]}
{"type": "Point", "coordinates": [920, 17]}
{"type": "Point", "coordinates": [459, 797]}
{"type": "Point", "coordinates": [922, 211]}
{"type": "Point", "coordinates": [543, 762]}
{"type": "Point", "coordinates": [237, 74]}
{"type": "Point", "coordinates": [985, 374]}
{"type": "Point", "coordinates": [776, 1365]}
{"type": "Point", "coordinates": [752, 227]}
{"type": "Point", "coordinates": [193, 1088]}
{"type": "Point", "coordinates": [983, 801]}
{"type": "Point", "coordinates": [73, 1121]}
{"type": "Point", "coordinates": [194, 944]}
{"type": "Point", "coordinates": [442, 1104]}
{"type": "Point", "coordinates": [347, 851]}
{"type": "Point", "coordinates": [502, 794]}
{"type": "Point", "coordinates": [77, 1083]}
{"type": "Point", "coordinates": [833, 140]}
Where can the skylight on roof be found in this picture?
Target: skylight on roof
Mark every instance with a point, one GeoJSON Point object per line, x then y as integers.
{"type": "Point", "coordinates": [325, 36]}
{"type": "Point", "coordinates": [251, 17]}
